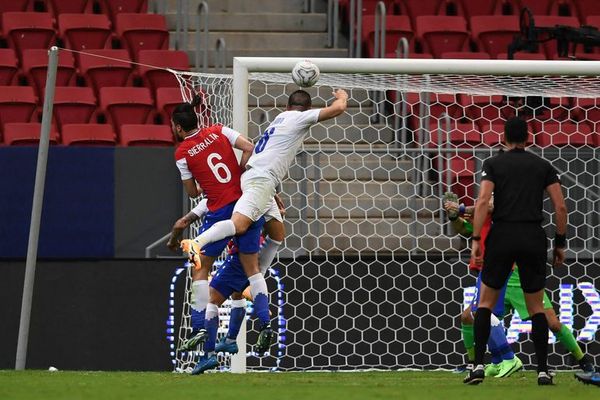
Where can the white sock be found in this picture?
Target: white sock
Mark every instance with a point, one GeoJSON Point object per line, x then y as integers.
{"type": "Point", "coordinates": [200, 295]}
{"type": "Point", "coordinates": [267, 254]}
{"type": "Point", "coordinates": [241, 303]}
{"type": "Point", "coordinates": [212, 311]}
{"type": "Point", "coordinates": [220, 230]}
{"type": "Point", "coordinates": [258, 285]}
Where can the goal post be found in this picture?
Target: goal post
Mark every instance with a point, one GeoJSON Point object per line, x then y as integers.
{"type": "Point", "coordinates": [372, 277]}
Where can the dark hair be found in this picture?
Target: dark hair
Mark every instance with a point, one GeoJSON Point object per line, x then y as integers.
{"type": "Point", "coordinates": [300, 98]}
{"type": "Point", "coordinates": [515, 130]}
{"type": "Point", "coordinates": [185, 115]}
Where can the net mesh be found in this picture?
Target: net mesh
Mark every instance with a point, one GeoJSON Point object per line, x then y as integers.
{"type": "Point", "coordinates": [373, 275]}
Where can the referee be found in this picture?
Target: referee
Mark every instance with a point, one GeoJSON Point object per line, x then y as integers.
{"type": "Point", "coordinates": [518, 180]}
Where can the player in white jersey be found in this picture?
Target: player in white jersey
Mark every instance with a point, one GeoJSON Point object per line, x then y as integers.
{"type": "Point", "coordinates": [272, 157]}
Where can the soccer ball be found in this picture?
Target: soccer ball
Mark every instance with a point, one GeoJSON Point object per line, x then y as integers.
{"type": "Point", "coordinates": [305, 73]}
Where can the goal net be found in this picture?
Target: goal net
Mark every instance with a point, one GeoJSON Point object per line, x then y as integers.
{"type": "Point", "coordinates": [370, 274]}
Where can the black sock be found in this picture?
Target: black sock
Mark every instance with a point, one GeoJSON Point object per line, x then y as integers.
{"type": "Point", "coordinates": [482, 333]}
{"type": "Point", "coordinates": [539, 335]}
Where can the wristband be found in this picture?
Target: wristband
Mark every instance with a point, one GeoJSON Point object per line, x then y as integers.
{"type": "Point", "coordinates": [476, 238]}
{"type": "Point", "coordinates": [462, 209]}
{"type": "Point", "coordinates": [560, 240]}
{"type": "Point", "coordinates": [452, 219]}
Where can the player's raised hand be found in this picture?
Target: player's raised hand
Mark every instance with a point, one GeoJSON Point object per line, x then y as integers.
{"type": "Point", "coordinates": [340, 94]}
{"type": "Point", "coordinates": [451, 205]}
{"type": "Point", "coordinates": [558, 257]}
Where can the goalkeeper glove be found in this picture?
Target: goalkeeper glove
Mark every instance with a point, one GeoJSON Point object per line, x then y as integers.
{"type": "Point", "coordinates": [450, 197]}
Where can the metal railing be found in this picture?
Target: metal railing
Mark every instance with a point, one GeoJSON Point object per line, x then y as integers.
{"type": "Point", "coordinates": [333, 21]}
{"type": "Point", "coordinates": [182, 25]}
{"type": "Point", "coordinates": [355, 36]}
{"type": "Point", "coordinates": [221, 56]}
{"type": "Point", "coordinates": [202, 10]}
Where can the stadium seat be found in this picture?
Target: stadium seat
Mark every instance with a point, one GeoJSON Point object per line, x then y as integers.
{"type": "Point", "coordinates": [35, 66]}
{"type": "Point", "coordinates": [68, 6]}
{"type": "Point", "coordinates": [485, 110]}
{"type": "Point", "coordinates": [565, 8]}
{"type": "Point", "coordinates": [88, 135]}
{"type": "Point", "coordinates": [546, 21]}
{"type": "Point", "coordinates": [422, 56]}
{"type": "Point", "coordinates": [417, 8]}
{"type": "Point", "coordinates": [114, 7]}
{"type": "Point", "coordinates": [593, 20]}
{"type": "Point", "coordinates": [125, 105]}
{"type": "Point", "coordinates": [566, 133]}
{"type": "Point", "coordinates": [462, 171]}
{"type": "Point", "coordinates": [492, 134]}
{"type": "Point", "coordinates": [478, 7]}
{"type": "Point", "coordinates": [84, 31]}
{"type": "Point", "coordinates": [441, 34]}
{"type": "Point", "coordinates": [465, 55]}
{"type": "Point", "coordinates": [167, 98]}
{"type": "Point", "coordinates": [537, 7]}
{"type": "Point", "coordinates": [17, 104]}
{"type": "Point", "coordinates": [73, 105]}
{"type": "Point", "coordinates": [142, 32]}
{"type": "Point", "coordinates": [586, 8]}
{"type": "Point", "coordinates": [28, 30]}
{"type": "Point", "coordinates": [438, 104]}
{"type": "Point", "coordinates": [523, 56]}
{"type": "Point", "coordinates": [587, 110]}
{"type": "Point", "coordinates": [146, 135]}
{"type": "Point", "coordinates": [106, 72]}
{"type": "Point", "coordinates": [494, 33]}
{"type": "Point", "coordinates": [158, 77]}
{"type": "Point", "coordinates": [12, 6]}
{"type": "Point", "coordinates": [23, 133]}
{"type": "Point", "coordinates": [397, 26]}
{"type": "Point", "coordinates": [8, 66]}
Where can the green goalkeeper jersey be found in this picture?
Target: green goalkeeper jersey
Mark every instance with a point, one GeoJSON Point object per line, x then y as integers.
{"type": "Point", "coordinates": [514, 279]}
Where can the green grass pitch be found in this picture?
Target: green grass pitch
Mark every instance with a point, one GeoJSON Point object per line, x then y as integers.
{"type": "Point", "coordinates": [45, 385]}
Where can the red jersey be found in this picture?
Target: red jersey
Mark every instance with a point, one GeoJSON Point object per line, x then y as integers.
{"type": "Point", "coordinates": [208, 157]}
{"type": "Point", "coordinates": [485, 229]}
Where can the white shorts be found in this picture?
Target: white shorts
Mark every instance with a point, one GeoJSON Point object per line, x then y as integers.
{"type": "Point", "coordinates": [257, 196]}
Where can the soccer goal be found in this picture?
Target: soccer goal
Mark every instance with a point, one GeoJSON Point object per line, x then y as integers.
{"type": "Point", "coordinates": [370, 275]}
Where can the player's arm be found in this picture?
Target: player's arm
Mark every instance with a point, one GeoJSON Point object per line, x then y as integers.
{"type": "Point", "coordinates": [336, 108]}
{"type": "Point", "coordinates": [191, 188]}
{"type": "Point", "coordinates": [239, 142]}
{"type": "Point", "coordinates": [184, 222]}
{"type": "Point", "coordinates": [560, 208]}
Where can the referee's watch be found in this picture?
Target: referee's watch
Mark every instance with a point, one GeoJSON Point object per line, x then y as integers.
{"type": "Point", "coordinates": [476, 238]}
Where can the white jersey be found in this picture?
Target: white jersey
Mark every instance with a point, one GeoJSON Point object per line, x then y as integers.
{"type": "Point", "coordinates": [276, 150]}
{"type": "Point", "coordinates": [201, 208]}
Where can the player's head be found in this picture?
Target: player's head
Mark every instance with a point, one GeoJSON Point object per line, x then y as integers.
{"type": "Point", "coordinates": [184, 118]}
{"type": "Point", "coordinates": [299, 100]}
{"type": "Point", "coordinates": [515, 131]}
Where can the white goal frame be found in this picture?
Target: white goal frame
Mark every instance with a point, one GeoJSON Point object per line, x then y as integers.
{"type": "Point", "coordinates": [244, 66]}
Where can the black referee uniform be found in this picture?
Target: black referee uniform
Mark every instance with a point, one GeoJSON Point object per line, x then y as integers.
{"type": "Point", "coordinates": [520, 179]}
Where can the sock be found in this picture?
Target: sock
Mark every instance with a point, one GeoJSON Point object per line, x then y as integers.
{"type": "Point", "coordinates": [220, 230]}
{"type": "Point", "coordinates": [482, 333]}
{"type": "Point", "coordinates": [539, 335]}
{"type": "Point", "coordinates": [211, 325]}
{"type": "Point", "coordinates": [565, 336]}
{"type": "Point", "coordinates": [258, 288]}
{"type": "Point", "coordinates": [267, 254]}
{"type": "Point", "coordinates": [469, 341]}
{"type": "Point", "coordinates": [237, 315]}
{"type": "Point", "coordinates": [497, 343]}
{"type": "Point", "coordinates": [200, 300]}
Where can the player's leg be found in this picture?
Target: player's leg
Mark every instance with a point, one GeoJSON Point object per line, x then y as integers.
{"type": "Point", "coordinates": [228, 344]}
{"type": "Point", "coordinates": [209, 359]}
{"type": "Point", "coordinates": [200, 297]}
{"type": "Point", "coordinates": [466, 324]}
{"type": "Point", "coordinates": [275, 234]}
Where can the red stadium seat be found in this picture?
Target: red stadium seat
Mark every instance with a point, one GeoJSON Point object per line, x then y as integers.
{"type": "Point", "coordinates": [23, 133]}
{"type": "Point", "coordinates": [485, 110]}
{"type": "Point", "coordinates": [479, 7]}
{"type": "Point", "coordinates": [11, 6]}
{"type": "Point", "coordinates": [494, 33]}
{"type": "Point", "coordinates": [158, 77]}
{"type": "Point", "coordinates": [146, 135]}
{"type": "Point", "coordinates": [537, 7]}
{"type": "Point", "coordinates": [125, 105]}
{"type": "Point", "coordinates": [566, 133]}
{"type": "Point", "coordinates": [586, 7]}
{"type": "Point", "coordinates": [142, 32]}
{"type": "Point", "coordinates": [588, 110]}
{"type": "Point", "coordinates": [463, 177]}
{"type": "Point", "coordinates": [438, 104]}
{"type": "Point", "coordinates": [68, 6]}
{"type": "Point", "coordinates": [546, 21]}
{"type": "Point", "coordinates": [422, 56]}
{"type": "Point", "coordinates": [523, 56]}
{"type": "Point", "coordinates": [493, 134]}
{"type": "Point", "coordinates": [417, 8]}
{"type": "Point", "coordinates": [465, 55]}
{"type": "Point", "coordinates": [397, 26]}
{"type": "Point", "coordinates": [17, 104]}
{"type": "Point", "coordinates": [441, 34]}
{"type": "Point", "coordinates": [35, 66]}
{"type": "Point", "coordinates": [28, 30]}
{"type": "Point", "coordinates": [106, 72]}
{"type": "Point", "coordinates": [84, 31]}
{"type": "Point", "coordinates": [593, 20]}
{"type": "Point", "coordinates": [88, 135]}
{"type": "Point", "coordinates": [114, 7]}
{"type": "Point", "coordinates": [8, 66]}
{"type": "Point", "coordinates": [565, 8]}
{"type": "Point", "coordinates": [167, 98]}
{"type": "Point", "coordinates": [73, 105]}
{"type": "Point", "coordinates": [461, 134]}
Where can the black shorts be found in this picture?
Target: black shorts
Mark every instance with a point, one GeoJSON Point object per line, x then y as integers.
{"type": "Point", "coordinates": [523, 243]}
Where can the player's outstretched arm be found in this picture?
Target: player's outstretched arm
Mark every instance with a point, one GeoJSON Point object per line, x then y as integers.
{"type": "Point", "coordinates": [246, 146]}
{"type": "Point", "coordinates": [558, 202]}
{"type": "Point", "coordinates": [180, 225]}
{"type": "Point", "coordinates": [336, 108]}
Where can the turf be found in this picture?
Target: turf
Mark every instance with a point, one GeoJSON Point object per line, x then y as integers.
{"type": "Point", "coordinates": [291, 385]}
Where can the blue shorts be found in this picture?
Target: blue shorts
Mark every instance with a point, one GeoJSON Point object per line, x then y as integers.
{"type": "Point", "coordinates": [498, 308]}
{"type": "Point", "coordinates": [230, 277]}
{"type": "Point", "coordinates": [248, 242]}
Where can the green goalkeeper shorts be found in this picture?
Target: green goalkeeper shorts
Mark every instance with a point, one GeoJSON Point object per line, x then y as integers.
{"type": "Point", "coordinates": [514, 300]}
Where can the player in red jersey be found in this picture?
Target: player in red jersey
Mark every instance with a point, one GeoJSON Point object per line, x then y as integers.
{"type": "Point", "coordinates": [205, 157]}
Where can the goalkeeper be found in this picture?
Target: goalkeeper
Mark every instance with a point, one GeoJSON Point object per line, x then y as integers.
{"type": "Point", "coordinates": [514, 298]}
